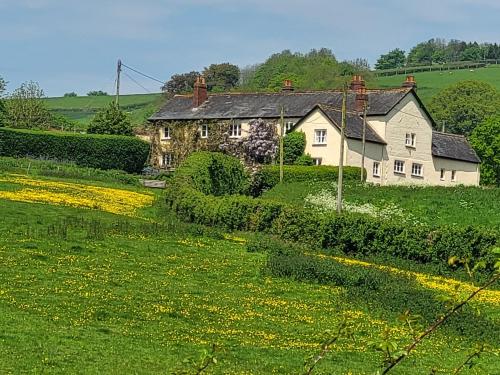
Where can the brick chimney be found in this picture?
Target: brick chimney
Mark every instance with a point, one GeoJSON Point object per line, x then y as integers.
{"type": "Point", "coordinates": [200, 93]}
{"type": "Point", "coordinates": [357, 82]}
{"type": "Point", "coordinates": [361, 99]}
{"type": "Point", "coordinates": [410, 82]}
{"type": "Point", "coordinates": [287, 85]}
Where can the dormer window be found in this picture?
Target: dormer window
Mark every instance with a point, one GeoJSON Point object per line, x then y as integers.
{"type": "Point", "coordinates": [411, 139]}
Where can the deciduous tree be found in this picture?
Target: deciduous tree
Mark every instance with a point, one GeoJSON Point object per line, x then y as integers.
{"type": "Point", "coordinates": [461, 107]}
{"type": "Point", "coordinates": [221, 77]}
{"type": "Point", "coordinates": [111, 120]}
{"type": "Point", "coordinates": [180, 83]}
{"type": "Point", "coordinates": [26, 109]}
{"type": "Point", "coordinates": [391, 60]}
{"type": "Point", "coordinates": [486, 142]}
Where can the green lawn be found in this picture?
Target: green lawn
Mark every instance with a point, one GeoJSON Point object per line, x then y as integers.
{"type": "Point", "coordinates": [430, 83]}
{"type": "Point", "coordinates": [433, 205]}
{"type": "Point", "coordinates": [86, 291]}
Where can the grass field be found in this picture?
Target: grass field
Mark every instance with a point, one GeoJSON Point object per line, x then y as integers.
{"type": "Point", "coordinates": [81, 109]}
{"type": "Point", "coordinates": [121, 287]}
{"type": "Point", "coordinates": [433, 205]}
{"type": "Point", "coordinates": [430, 83]}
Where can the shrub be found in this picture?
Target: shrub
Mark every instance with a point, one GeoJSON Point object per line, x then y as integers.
{"type": "Point", "coordinates": [304, 160]}
{"type": "Point", "coordinates": [214, 173]}
{"type": "Point", "coordinates": [294, 145]}
{"type": "Point", "coordinates": [110, 120]}
{"type": "Point", "coordinates": [269, 175]}
{"type": "Point", "coordinates": [95, 151]}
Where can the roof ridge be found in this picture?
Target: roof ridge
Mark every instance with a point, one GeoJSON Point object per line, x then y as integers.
{"type": "Point", "coordinates": [450, 134]}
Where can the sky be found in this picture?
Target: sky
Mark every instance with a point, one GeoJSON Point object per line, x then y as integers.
{"type": "Point", "coordinates": [68, 45]}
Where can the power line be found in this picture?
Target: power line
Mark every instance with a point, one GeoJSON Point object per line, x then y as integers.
{"type": "Point", "coordinates": [137, 83]}
{"type": "Point", "coordinates": [143, 74]}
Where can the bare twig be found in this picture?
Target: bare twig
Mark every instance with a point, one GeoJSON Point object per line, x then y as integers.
{"type": "Point", "coordinates": [439, 322]}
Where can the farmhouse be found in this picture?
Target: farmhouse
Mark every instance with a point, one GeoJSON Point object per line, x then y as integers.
{"type": "Point", "coordinates": [401, 146]}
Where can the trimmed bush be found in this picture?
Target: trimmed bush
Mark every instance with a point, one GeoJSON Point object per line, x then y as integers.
{"type": "Point", "coordinates": [269, 175]}
{"type": "Point", "coordinates": [214, 173]}
{"type": "Point", "coordinates": [304, 160]}
{"type": "Point", "coordinates": [294, 144]}
{"type": "Point", "coordinates": [94, 151]}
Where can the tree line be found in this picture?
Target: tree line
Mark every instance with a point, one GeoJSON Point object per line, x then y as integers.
{"type": "Point", "coordinates": [438, 51]}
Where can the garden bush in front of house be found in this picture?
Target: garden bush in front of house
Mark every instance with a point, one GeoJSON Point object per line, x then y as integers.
{"type": "Point", "coordinates": [95, 151]}
{"type": "Point", "coordinates": [269, 175]}
{"type": "Point", "coordinates": [349, 233]}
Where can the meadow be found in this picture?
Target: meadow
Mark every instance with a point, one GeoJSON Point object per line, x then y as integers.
{"type": "Point", "coordinates": [430, 83]}
{"type": "Point", "coordinates": [121, 286]}
{"type": "Point", "coordinates": [81, 109]}
{"type": "Point", "coordinates": [432, 205]}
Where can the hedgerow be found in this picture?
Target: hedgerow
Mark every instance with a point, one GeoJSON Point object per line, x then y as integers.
{"type": "Point", "coordinates": [95, 151]}
{"type": "Point", "coordinates": [269, 175]}
{"type": "Point", "coordinates": [348, 233]}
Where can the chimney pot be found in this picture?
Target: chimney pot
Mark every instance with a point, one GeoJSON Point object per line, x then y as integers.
{"type": "Point", "coordinates": [200, 93]}
{"type": "Point", "coordinates": [410, 82]}
{"type": "Point", "coordinates": [357, 82]}
{"type": "Point", "coordinates": [287, 85]}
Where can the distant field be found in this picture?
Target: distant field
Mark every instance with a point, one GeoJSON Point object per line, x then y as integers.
{"type": "Point", "coordinates": [81, 109]}
{"type": "Point", "coordinates": [430, 83]}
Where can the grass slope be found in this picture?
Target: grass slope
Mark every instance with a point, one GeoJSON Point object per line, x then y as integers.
{"type": "Point", "coordinates": [81, 109]}
{"type": "Point", "coordinates": [87, 291]}
{"type": "Point", "coordinates": [432, 205]}
{"type": "Point", "coordinates": [430, 83]}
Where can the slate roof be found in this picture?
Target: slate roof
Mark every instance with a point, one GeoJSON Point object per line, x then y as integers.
{"type": "Point", "coordinates": [354, 124]}
{"type": "Point", "coordinates": [268, 105]}
{"type": "Point", "coordinates": [453, 146]}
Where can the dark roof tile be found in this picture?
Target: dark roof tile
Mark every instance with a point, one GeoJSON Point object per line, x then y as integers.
{"type": "Point", "coordinates": [453, 146]}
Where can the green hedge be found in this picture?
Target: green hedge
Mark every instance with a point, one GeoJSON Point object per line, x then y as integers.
{"type": "Point", "coordinates": [269, 175]}
{"type": "Point", "coordinates": [294, 144]}
{"type": "Point", "coordinates": [95, 151]}
{"type": "Point", "coordinates": [351, 234]}
{"type": "Point", "coordinates": [214, 173]}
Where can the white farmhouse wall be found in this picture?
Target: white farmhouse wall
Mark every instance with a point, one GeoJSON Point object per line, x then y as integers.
{"type": "Point", "coordinates": [374, 152]}
{"type": "Point", "coordinates": [329, 153]}
{"type": "Point", "coordinates": [466, 173]}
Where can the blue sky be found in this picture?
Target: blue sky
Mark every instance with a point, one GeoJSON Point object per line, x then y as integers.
{"type": "Point", "coordinates": [69, 45]}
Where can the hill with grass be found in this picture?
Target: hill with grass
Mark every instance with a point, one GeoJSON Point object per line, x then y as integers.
{"type": "Point", "coordinates": [81, 109]}
{"type": "Point", "coordinates": [430, 83]}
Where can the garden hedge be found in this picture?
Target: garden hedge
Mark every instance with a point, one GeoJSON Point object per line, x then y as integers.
{"type": "Point", "coordinates": [95, 151]}
{"type": "Point", "coordinates": [269, 175]}
{"type": "Point", "coordinates": [350, 233]}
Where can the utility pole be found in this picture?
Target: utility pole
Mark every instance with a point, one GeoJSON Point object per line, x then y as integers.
{"type": "Point", "coordinates": [341, 160]}
{"type": "Point", "coordinates": [282, 131]}
{"type": "Point", "coordinates": [118, 72]}
{"type": "Point", "coordinates": [444, 126]}
{"type": "Point", "coordinates": [365, 108]}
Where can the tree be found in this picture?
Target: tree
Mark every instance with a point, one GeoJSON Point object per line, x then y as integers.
{"type": "Point", "coordinates": [3, 113]}
{"type": "Point", "coordinates": [110, 120]}
{"type": "Point", "coordinates": [221, 77]}
{"type": "Point", "coordinates": [294, 145]}
{"type": "Point", "coordinates": [97, 93]}
{"type": "Point", "coordinates": [486, 142]}
{"type": "Point", "coordinates": [71, 94]}
{"type": "Point", "coordinates": [461, 107]}
{"type": "Point", "coordinates": [261, 145]}
{"type": "Point", "coordinates": [180, 83]}
{"type": "Point", "coordinates": [391, 60]}
{"type": "Point", "coordinates": [26, 109]}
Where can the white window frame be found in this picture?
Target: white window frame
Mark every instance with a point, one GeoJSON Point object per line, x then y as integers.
{"type": "Point", "coordinates": [317, 161]}
{"type": "Point", "coordinates": [399, 170]}
{"type": "Point", "coordinates": [235, 130]}
{"type": "Point", "coordinates": [203, 131]}
{"type": "Point", "coordinates": [376, 169]}
{"type": "Point", "coordinates": [320, 136]}
{"type": "Point", "coordinates": [442, 175]}
{"type": "Point", "coordinates": [288, 126]}
{"type": "Point", "coordinates": [166, 132]}
{"type": "Point", "coordinates": [411, 140]}
{"type": "Point", "coordinates": [170, 157]}
{"type": "Point", "coordinates": [453, 176]}
{"type": "Point", "coordinates": [419, 168]}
